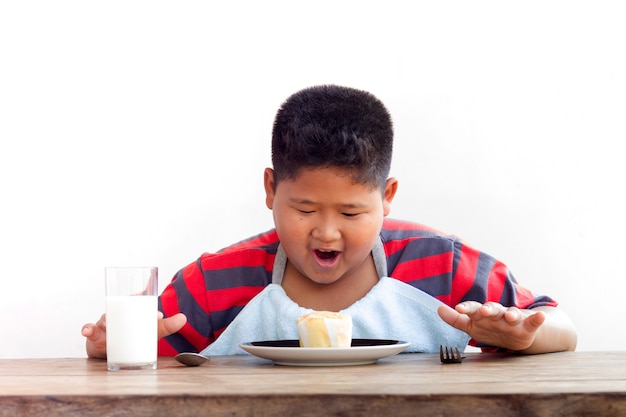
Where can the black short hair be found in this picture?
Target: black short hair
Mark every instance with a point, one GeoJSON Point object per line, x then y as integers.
{"type": "Point", "coordinates": [333, 126]}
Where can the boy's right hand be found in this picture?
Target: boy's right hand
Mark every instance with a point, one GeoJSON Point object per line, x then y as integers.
{"type": "Point", "coordinates": [96, 334]}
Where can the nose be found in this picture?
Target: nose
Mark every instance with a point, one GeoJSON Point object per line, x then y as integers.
{"type": "Point", "coordinates": [326, 230]}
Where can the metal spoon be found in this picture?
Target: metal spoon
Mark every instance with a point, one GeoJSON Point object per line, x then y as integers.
{"type": "Point", "coordinates": [191, 359]}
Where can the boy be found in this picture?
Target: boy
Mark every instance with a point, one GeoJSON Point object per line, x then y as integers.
{"type": "Point", "coordinates": [332, 249]}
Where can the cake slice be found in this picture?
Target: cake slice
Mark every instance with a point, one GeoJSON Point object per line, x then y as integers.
{"type": "Point", "coordinates": [325, 329]}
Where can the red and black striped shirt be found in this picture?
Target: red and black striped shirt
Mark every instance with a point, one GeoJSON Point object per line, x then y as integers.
{"type": "Point", "coordinates": [216, 287]}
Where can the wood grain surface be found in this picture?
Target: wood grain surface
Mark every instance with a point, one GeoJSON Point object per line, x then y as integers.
{"type": "Point", "coordinates": [559, 384]}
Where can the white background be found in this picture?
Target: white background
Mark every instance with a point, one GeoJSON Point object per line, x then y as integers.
{"type": "Point", "coordinates": [136, 133]}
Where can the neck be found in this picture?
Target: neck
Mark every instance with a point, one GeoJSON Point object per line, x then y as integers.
{"type": "Point", "coordinates": [336, 296]}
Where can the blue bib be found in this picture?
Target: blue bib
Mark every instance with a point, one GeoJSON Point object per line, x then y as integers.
{"type": "Point", "coordinates": [390, 310]}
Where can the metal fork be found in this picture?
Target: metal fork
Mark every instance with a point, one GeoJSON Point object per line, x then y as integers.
{"type": "Point", "coordinates": [450, 355]}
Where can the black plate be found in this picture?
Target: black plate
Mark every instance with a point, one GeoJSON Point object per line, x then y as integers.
{"type": "Point", "coordinates": [296, 343]}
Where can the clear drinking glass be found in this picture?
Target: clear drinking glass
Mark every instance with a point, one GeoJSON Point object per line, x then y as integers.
{"type": "Point", "coordinates": [131, 317]}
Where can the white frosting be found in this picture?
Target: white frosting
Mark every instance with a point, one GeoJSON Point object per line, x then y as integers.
{"type": "Point", "coordinates": [325, 329]}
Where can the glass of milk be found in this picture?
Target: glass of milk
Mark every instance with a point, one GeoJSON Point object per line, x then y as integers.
{"type": "Point", "coordinates": [131, 317]}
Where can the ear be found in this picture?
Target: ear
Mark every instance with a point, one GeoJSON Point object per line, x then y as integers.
{"type": "Point", "coordinates": [391, 186]}
{"type": "Point", "coordinates": [268, 183]}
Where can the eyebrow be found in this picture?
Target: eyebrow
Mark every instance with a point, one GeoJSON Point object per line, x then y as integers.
{"type": "Point", "coordinates": [309, 202]}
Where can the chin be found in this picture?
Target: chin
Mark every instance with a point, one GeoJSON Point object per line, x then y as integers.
{"type": "Point", "coordinates": [323, 280]}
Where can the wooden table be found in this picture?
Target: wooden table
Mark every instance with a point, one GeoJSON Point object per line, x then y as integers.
{"type": "Point", "coordinates": [560, 384]}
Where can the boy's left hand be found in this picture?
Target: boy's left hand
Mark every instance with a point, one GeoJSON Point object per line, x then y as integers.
{"type": "Point", "coordinates": [495, 325]}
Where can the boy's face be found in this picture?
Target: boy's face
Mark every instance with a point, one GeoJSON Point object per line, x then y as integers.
{"type": "Point", "coordinates": [326, 222]}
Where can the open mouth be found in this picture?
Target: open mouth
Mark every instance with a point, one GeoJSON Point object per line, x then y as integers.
{"type": "Point", "coordinates": [326, 255]}
{"type": "Point", "coordinates": [326, 258]}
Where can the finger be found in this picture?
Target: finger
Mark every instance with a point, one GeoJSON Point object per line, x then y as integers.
{"type": "Point", "coordinates": [454, 318]}
{"type": "Point", "coordinates": [87, 330]}
{"type": "Point", "coordinates": [468, 307]}
{"type": "Point", "coordinates": [535, 320]}
{"type": "Point", "coordinates": [494, 311]}
{"type": "Point", "coordinates": [171, 324]}
{"type": "Point", "coordinates": [92, 331]}
{"type": "Point", "coordinates": [513, 315]}
{"type": "Point", "coordinates": [102, 322]}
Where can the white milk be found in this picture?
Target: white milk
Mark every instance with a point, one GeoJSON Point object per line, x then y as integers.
{"type": "Point", "coordinates": [131, 331]}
